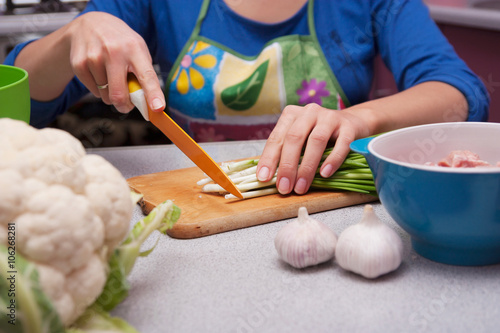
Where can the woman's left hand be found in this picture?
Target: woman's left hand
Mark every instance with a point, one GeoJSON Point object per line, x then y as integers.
{"type": "Point", "coordinates": [312, 127]}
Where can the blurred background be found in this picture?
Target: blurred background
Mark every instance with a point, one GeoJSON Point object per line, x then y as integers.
{"type": "Point", "coordinates": [471, 26]}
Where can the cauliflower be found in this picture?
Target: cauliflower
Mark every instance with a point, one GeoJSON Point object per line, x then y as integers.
{"type": "Point", "coordinates": [71, 211]}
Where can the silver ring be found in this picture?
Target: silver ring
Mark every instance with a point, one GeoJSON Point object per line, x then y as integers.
{"type": "Point", "coordinates": [104, 86]}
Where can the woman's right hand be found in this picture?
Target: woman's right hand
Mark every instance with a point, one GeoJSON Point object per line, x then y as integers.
{"type": "Point", "coordinates": [100, 49]}
{"type": "Point", "coordinates": [103, 50]}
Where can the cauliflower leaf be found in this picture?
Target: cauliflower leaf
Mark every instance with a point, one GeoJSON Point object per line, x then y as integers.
{"type": "Point", "coordinates": [161, 218]}
{"type": "Point", "coordinates": [97, 320]}
{"type": "Point", "coordinates": [22, 301]}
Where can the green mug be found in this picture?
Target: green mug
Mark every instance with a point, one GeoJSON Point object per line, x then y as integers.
{"type": "Point", "coordinates": [14, 93]}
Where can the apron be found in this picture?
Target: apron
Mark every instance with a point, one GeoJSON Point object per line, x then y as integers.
{"type": "Point", "coordinates": [216, 94]}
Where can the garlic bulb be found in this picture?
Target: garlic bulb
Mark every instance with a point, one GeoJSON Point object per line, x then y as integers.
{"type": "Point", "coordinates": [369, 248]}
{"type": "Point", "coordinates": [305, 241]}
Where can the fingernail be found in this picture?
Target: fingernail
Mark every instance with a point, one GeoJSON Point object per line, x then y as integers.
{"type": "Point", "coordinates": [263, 174]}
{"type": "Point", "coordinates": [157, 104]}
{"type": "Point", "coordinates": [300, 187]}
{"type": "Point", "coordinates": [326, 171]}
{"type": "Point", "coordinates": [284, 186]}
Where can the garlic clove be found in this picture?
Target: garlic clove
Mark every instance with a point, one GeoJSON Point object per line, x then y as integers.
{"type": "Point", "coordinates": [305, 241]}
{"type": "Point", "coordinates": [369, 248]}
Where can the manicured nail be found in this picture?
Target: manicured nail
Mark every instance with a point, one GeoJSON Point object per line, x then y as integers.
{"type": "Point", "coordinates": [157, 104]}
{"type": "Point", "coordinates": [263, 174]}
{"type": "Point", "coordinates": [326, 171]}
{"type": "Point", "coordinates": [300, 187]}
{"type": "Point", "coordinates": [284, 186]}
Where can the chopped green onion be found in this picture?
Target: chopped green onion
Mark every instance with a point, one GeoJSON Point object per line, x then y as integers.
{"type": "Point", "coordinates": [353, 175]}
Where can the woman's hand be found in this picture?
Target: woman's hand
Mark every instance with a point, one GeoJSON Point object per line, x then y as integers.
{"type": "Point", "coordinates": [103, 49]}
{"type": "Point", "coordinates": [314, 127]}
{"type": "Point", "coordinates": [100, 49]}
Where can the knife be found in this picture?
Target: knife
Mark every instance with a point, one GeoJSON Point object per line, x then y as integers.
{"type": "Point", "coordinates": [180, 138]}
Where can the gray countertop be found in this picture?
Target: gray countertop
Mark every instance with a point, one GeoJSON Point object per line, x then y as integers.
{"type": "Point", "coordinates": [235, 282]}
{"type": "Point", "coordinates": [460, 12]}
{"type": "Point", "coordinates": [11, 25]}
{"type": "Point", "coordinates": [466, 13]}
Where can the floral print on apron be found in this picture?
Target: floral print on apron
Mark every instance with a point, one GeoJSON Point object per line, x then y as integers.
{"type": "Point", "coordinates": [216, 94]}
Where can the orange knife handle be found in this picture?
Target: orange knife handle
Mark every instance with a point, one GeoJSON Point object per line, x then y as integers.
{"type": "Point", "coordinates": [133, 83]}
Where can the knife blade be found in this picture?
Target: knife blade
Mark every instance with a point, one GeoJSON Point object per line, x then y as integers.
{"type": "Point", "coordinates": [180, 138]}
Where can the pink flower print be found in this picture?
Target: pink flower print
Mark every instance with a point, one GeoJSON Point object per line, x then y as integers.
{"type": "Point", "coordinates": [312, 92]}
{"type": "Point", "coordinates": [186, 61]}
{"type": "Point", "coordinates": [209, 135]}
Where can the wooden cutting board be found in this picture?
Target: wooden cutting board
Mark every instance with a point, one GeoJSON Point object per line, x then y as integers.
{"type": "Point", "coordinates": [205, 214]}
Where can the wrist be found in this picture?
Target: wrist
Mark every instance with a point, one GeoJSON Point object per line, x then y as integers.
{"type": "Point", "coordinates": [368, 116]}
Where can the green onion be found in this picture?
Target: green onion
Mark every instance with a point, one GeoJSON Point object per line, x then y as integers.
{"type": "Point", "coordinates": [353, 175]}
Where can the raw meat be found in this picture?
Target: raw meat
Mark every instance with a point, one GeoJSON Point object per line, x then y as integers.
{"type": "Point", "coordinates": [463, 159]}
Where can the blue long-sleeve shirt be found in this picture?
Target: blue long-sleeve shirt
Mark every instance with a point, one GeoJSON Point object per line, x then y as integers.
{"type": "Point", "coordinates": [351, 34]}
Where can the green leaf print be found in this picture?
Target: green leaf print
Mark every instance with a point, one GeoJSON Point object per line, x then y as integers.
{"type": "Point", "coordinates": [243, 95]}
{"type": "Point", "coordinates": [310, 50]}
{"type": "Point", "coordinates": [297, 50]}
{"type": "Point", "coordinates": [294, 52]}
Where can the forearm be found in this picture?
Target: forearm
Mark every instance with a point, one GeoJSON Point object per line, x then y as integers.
{"type": "Point", "coordinates": [428, 102]}
{"type": "Point", "coordinates": [47, 62]}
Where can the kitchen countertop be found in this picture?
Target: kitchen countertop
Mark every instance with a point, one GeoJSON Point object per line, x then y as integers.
{"type": "Point", "coordinates": [235, 282]}
{"type": "Point", "coordinates": [11, 25]}
{"type": "Point", "coordinates": [458, 12]}
{"type": "Point", "coordinates": [465, 13]}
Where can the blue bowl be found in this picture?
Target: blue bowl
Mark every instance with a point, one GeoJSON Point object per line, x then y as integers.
{"type": "Point", "coordinates": [451, 214]}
